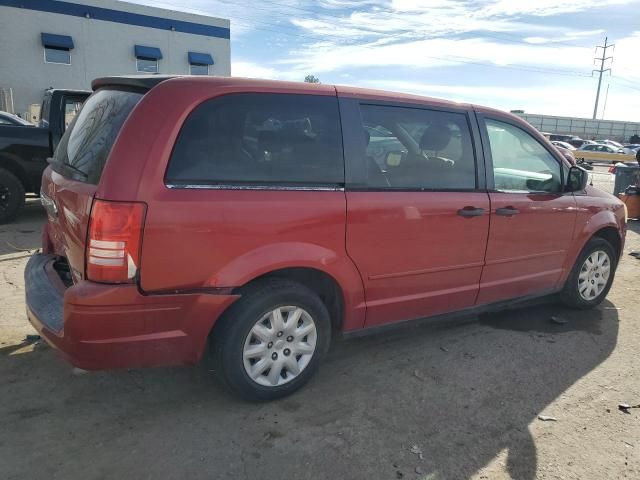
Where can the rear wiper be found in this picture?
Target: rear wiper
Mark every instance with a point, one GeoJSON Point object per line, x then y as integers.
{"type": "Point", "coordinates": [75, 169]}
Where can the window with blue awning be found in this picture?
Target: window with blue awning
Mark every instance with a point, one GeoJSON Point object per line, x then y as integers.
{"type": "Point", "coordinates": [196, 58]}
{"type": "Point", "coordinates": [51, 40]}
{"type": "Point", "coordinates": [142, 51]}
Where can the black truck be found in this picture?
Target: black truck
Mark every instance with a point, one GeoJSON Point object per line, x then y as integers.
{"type": "Point", "coordinates": [24, 149]}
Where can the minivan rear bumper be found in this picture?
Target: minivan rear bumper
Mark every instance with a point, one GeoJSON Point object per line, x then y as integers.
{"type": "Point", "coordinates": [99, 326]}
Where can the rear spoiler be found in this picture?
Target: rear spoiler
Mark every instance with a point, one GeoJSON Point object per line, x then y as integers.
{"type": "Point", "coordinates": [142, 82]}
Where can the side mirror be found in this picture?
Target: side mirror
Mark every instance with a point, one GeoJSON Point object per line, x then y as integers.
{"type": "Point", "coordinates": [577, 179]}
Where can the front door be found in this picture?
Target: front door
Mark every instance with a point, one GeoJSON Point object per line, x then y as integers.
{"type": "Point", "coordinates": [532, 220]}
{"type": "Point", "coordinates": [417, 220]}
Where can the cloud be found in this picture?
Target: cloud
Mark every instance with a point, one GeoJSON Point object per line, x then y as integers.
{"type": "Point", "coordinates": [428, 33]}
{"type": "Point", "coordinates": [625, 58]}
{"type": "Point", "coordinates": [585, 33]}
{"type": "Point", "coordinates": [439, 52]}
{"type": "Point", "coordinates": [252, 70]}
{"type": "Point", "coordinates": [246, 16]}
{"type": "Point", "coordinates": [544, 8]}
{"type": "Point", "coordinates": [243, 68]}
{"type": "Point", "coordinates": [570, 100]}
{"type": "Point", "coordinates": [476, 50]}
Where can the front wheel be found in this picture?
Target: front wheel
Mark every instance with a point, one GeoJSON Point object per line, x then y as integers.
{"type": "Point", "coordinates": [11, 196]}
{"type": "Point", "coordinates": [270, 342]}
{"type": "Point", "coordinates": [592, 275]}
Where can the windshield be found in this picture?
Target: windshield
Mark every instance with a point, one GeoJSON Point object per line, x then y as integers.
{"type": "Point", "coordinates": [86, 144]}
{"type": "Point", "coordinates": [11, 119]}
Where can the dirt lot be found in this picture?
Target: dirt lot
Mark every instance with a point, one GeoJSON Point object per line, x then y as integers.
{"type": "Point", "coordinates": [466, 394]}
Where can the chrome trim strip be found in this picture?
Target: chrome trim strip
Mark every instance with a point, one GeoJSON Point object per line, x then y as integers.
{"type": "Point", "coordinates": [255, 187]}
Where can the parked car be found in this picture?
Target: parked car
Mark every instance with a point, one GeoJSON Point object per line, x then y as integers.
{"type": "Point", "coordinates": [24, 149]}
{"type": "Point", "coordinates": [554, 137]}
{"type": "Point", "coordinates": [571, 158]}
{"type": "Point", "coordinates": [249, 222]}
{"type": "Point", "coordinates": [565, 145]}
{"type": "Point", "coordinates": [602, 153]}
{"type": "Point", "coordinates": [10, 119]}
{"type": "Point", "coordinates": [578, 142]}
{"type": "Point", "coordinates": [611, 143]}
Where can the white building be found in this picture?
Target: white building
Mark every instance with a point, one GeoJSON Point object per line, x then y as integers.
{"type": "Point", "coordinates": [66, 44]}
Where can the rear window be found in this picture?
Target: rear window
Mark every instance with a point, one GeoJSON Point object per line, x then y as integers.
{"type": "Point", "coordinates": [85, 146]}
{"type": "Point", "coordinates": [260, 139]}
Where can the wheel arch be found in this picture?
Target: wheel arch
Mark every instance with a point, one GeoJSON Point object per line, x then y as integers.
{"type": "Point", "coordinates": [611, 235]}
{"type": "Point", "coordinates": [333, 275]}
{"type": "Point", "coordinates": [318, 281]}
{"type": "Point", "coordinates": [604, 225]}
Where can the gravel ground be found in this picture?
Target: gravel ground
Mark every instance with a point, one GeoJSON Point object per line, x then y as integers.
{"type": "Point", "coordinates": [450, 400]}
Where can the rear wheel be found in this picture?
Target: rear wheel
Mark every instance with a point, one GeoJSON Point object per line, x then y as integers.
{"type": "Point", "coordinates": [271, 341]}
{"type": "Point", "coordinates": [11, 196]}
{"type": "Point", "coordinates": [592, 275]}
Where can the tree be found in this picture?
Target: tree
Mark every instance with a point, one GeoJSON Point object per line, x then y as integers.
{"type": "Point", "coordinates": [635, 138]}
{"type": "Point", "coordinates": [311, 79]}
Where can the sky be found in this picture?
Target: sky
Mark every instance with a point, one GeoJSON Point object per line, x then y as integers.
{"type": "Point", "coordinates": [536, 56]}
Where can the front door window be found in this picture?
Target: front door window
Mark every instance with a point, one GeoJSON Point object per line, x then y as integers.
{"type": "Point", "coordinates": [520, 162]}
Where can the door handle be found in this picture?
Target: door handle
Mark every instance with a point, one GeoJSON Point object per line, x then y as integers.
{"type": "Point", "coordinates": [471, 212]}
{"type": "Point", "coordinates": [507, 211]}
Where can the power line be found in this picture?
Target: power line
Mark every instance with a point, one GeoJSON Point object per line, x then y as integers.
{"type": "Point", "coordinates": [602, 59]}
{"type": "Point", "coordinates": [617, 79]}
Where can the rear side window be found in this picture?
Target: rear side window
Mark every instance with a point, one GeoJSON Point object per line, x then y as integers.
{"type": "Point", "coordinates": [260, 139]}
{"type": "Point", "coordinates": [85, 146]}
{"type": "Point", "coordinates": [417, 149]}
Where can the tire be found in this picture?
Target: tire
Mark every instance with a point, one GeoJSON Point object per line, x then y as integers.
{"type": "Point", "coordinates": [571, 294]}
{"type": "Point", "coordinates": [234, 341]}
{"type": "Point", "coordinates": [11, 196]}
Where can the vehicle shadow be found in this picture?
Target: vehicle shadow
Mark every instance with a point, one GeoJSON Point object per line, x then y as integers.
{"type": "Point", "coordinates": [441, 399]}
{"type": "Point", "coordinates": [22, 236]}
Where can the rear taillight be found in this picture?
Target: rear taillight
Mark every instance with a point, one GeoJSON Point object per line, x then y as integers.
{"type": "Point", "coordinates": [114, 241]}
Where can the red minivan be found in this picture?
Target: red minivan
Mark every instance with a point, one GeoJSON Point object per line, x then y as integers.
{"type": "Point", "coordinates": [247, 221]}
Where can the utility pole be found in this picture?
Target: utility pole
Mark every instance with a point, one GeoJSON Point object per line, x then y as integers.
{"type": "Point", "coordinates": [602, 59]}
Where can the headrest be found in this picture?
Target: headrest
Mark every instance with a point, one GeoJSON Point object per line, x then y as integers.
{"type": "Point", "coordinates": [436, 137]}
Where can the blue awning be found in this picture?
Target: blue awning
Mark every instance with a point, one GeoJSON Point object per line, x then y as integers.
{"type": "Point", "coordinates": [147, 52]}
{"type": "Point", "coordinates": [196, 58]}
{"type": "Point", "coordinates": [57, 41]}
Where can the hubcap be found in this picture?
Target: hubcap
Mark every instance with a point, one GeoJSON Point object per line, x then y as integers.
{"type": "Point", "coordinates": [594, 275]}
{"type": "Point", "coordinates": [279, 346]}
{"type": "Point", "coordinates": [5, 197]}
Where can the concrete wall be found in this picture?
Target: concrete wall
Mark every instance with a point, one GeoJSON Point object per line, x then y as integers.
{"type": "Point", "coordinates": [583, 127]}
{"type": "Point", "coordinates": [101, 47]}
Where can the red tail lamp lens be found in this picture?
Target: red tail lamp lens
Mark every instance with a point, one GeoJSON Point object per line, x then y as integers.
{"type": "Point", "coordinates": [114, 241]}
